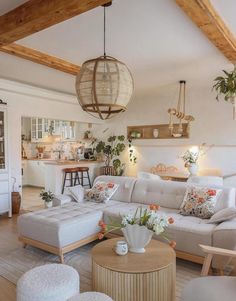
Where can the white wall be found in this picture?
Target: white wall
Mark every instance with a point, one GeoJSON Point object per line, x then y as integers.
{"type": "Point", "coordinates": [214, 124]}
{"type": "Point", "coordinates": [25, 100]}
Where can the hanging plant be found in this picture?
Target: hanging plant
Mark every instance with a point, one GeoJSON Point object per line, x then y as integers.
{"type": "Point", "coordinates": [132, 157]}
{"type": "Point", "coordinates": [226, 86]}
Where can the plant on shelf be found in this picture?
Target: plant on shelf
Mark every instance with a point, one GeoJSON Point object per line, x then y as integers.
{"type": "Point", "coordinates": [88, 134]}
{"type": "Point", "coordinates": [226, 86]}
{"type": "Point", "coordinates": [139, 228]}
{"type": "Point", "coordinates": [192, 155]}
{"type": "Point", "coordinates": [190, 158]}
{"type": "Point", "coordinates": [47, 197]}
{"type": "Point", "coordinates": [111, 150]}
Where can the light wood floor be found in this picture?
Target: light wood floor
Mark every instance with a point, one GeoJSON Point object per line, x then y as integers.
{"type": "Point", "coordinates": [8, 236]}
{"type": "Point", "coordinates": [8, 242]}
{"type": "Point", "coordinates": [31, 198]}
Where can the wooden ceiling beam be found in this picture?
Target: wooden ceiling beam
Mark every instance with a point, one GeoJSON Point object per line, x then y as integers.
{"type": "Point", "coordinates": [36, 15]}
{"type": "Point", "coordinates": [41, 58]}
{"type": "Point", "coordinates": [208, 20]}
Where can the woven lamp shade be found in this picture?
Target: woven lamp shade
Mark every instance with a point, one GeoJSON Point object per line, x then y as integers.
{"type": "Point", "coordinates": [104, 87]}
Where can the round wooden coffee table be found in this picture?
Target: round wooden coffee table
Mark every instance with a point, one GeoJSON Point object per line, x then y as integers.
{"type": "Point", "coordinates": [134, 277]}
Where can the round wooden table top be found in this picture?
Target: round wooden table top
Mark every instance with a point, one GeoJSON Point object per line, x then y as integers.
{"type": "Point", "coordinates": [157, 256]}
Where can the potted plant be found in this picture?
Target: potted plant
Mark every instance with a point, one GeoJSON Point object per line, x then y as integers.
{"type": "Point", "coordinates": [190, 158]}
{"type": "Point", "coordinates": [87, 134]}
{"type": "Point", "coordinates": [139, 228]}
{"type": "Point", "coordinates": [47, 196]}
{"type": "Point", "coordinates": [111, 150]}
{"type": "Point", "coordinates": [226, 86]}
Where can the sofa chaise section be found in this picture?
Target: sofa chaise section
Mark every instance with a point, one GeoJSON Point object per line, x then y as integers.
{"type": "Point", "coordinates": [61, 229]}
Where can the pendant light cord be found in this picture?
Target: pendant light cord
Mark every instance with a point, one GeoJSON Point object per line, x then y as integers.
{"type": "Point", "coordinates": [104, 32]}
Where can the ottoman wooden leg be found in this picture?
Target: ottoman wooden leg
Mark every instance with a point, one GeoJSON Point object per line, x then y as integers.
{"type": "Point", "coordinates": [62, 258]}
{"type": "Point", "coordinates": [24, 245]}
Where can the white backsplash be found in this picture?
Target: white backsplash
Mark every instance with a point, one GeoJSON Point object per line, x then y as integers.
{"type": "Point", "coordinates": [68, 149]}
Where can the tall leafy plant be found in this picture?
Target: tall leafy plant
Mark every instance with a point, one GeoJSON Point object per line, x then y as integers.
{"type": "Point", "coordinates": [112, 149]}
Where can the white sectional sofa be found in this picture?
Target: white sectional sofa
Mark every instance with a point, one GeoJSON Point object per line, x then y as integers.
{"type": "Point", "coordinates": [63, 228]}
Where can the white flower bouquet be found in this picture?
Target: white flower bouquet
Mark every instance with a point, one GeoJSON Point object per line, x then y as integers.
{"type": "Point", "coordinates": [151, 218]}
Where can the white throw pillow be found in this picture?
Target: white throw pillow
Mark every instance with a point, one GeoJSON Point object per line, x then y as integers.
{"type": "Point", "coordinates": [200, 201]}
{"type": "Point", "coordinates": [77, 192]}
{"type": "Point", "coordinates": [62, 199]}
{"type": "Point", "coordinates": [101, 192]}
{"type": "Point", "coordinates": [223, 215]}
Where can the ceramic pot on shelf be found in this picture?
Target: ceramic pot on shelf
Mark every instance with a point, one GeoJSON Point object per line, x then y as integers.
{"type": "Point", "coordinates": [193, 169]}
{"type": "Point", "coordinates": [155, 133]}
{"type": "Point", "coordinates": [137, 237]}
{"type": "Point", "coordinates": [48, 204]}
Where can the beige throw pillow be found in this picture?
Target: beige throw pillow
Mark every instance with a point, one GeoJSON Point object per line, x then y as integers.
{"type": "Point", "coordinates": [200, 201]}
{"type": "Point", "coordinates": [223, 215]}
{"type": "Point", "coordinates": [101, 192]}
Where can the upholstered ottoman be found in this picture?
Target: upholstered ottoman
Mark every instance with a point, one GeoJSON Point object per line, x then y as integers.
{"type": "Point", "coordinates": [61, 229]}
{"type": "Point", "coordinates": [91, 296]}
{"type": "Point", "coordinates": [51, 282]}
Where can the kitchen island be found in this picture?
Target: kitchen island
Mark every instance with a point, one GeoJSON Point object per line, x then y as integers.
{"type": "Point", "coordinates": [54, 172]}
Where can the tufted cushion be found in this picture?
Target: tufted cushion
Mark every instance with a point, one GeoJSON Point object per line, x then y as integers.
{"type": "Point", "coordinates": [192, 229]}
{"type": "Point", "coordinates": [167, 194]}
{"type": "Point", "coordinates": [50, 282]}
{"type": "Point", "coordinates": [61, 226]}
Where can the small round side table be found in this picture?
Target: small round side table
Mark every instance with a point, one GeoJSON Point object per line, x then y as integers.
{"type": "Point", "coordinates": [134, 277]}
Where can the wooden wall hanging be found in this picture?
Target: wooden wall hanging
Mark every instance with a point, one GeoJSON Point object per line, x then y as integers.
{"type": "Point", "coordinates": [179, 113]}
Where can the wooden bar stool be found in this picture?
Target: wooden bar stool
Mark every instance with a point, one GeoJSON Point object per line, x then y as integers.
{"type": "Point", "coordinates": [76, 177]}
{"type": "Point", "coordinates": [73, 177]}
{"type": "Point", "coordinates": [84, 174]}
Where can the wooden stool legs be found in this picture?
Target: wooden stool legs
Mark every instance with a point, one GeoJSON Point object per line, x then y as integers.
{"type": "Point", "coordinates": [71, 178]}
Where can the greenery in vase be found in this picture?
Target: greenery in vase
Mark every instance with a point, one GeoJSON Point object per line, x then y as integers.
{"type": "Point", "coordinates": [47, 196]}
{"type": "Point", "coordinates": [111, 149]}
{"type": "Point", "coordinates": [190, 157]}
{"type": "Point", "coordinates": [226, 85]}
{"type": "Point", "coordinates": [155, 221]}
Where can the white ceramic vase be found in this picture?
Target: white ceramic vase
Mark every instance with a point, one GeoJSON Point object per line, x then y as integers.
{"type": "Point", "coordinates": [137, 237]}
{"type": "Point", "coordinates": [155, 133]}
{"type": "Point", "coordinates": [193, 169]}
{"type": "Point", "coordinates": [48, 204]}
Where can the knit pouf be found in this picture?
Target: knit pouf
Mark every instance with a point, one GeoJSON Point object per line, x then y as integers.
{"type": "Point", "coordinates": [50, 282]}
{"type": "Point", "coordinates": [91, 296]}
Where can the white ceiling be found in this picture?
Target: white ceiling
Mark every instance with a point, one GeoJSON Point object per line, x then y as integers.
{"type": "Point", "coordinates": [157, 41]}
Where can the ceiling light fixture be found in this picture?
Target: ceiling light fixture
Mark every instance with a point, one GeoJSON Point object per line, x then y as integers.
{"type": "Point", "coordinates": [104, 85]}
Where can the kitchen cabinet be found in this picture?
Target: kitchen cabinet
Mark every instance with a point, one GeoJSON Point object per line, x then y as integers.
{"type": "Point", "coordinates": [68, 130]}
{"type": "Point", "coordinates": [38, 132]}
{"type": "Point", "coordinates": [5, 191]}
{"type": "Point", "coordinates": [35, 173]}
{"type": "Point", "coordinates": [24, 172]}
{"type": "Point", "coordinates": [40, 128]}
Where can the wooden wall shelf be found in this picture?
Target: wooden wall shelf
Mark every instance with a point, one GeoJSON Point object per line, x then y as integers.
{"type": "Point", "coordinates": [146, 131]}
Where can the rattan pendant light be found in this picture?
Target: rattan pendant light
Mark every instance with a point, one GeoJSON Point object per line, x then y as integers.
{"type": "Point", "coordinates": [104, 85]}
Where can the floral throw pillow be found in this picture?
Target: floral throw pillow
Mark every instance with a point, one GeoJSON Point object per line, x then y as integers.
{"type": "Point", "coordinates": [200, 201]}
{"type": "Point", "coordinates": [101, 192]}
